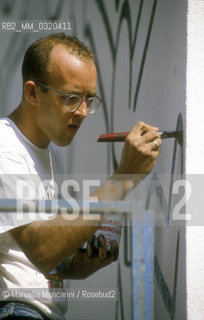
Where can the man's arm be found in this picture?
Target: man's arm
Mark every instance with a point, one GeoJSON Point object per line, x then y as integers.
{"type": "Point", "coordinates": [47, 243]}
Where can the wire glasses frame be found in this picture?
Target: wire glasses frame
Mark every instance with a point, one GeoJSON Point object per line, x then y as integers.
{"type": "Point", "coordinates": [73, 101]}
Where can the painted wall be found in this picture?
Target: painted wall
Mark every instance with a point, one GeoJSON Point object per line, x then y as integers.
{"type": "Point", "coordinates": [140, 48]}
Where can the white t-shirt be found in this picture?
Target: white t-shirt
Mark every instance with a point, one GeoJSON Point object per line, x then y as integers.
{"type": "Point", "coordinates": [23, 170]}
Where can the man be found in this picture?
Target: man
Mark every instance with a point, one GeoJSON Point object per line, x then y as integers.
{"type": "Point", "coordinates": [59, 77]}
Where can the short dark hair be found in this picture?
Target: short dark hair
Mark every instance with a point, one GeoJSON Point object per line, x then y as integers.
{"type": "Point", "coordinates": [37, 56]}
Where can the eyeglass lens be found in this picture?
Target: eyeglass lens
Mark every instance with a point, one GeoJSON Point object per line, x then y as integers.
{"type": "Point", "coordinates": [73, 102]}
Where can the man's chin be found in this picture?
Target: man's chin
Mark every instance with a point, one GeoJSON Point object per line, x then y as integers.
{"type": "Point", "coordinates": [63, 143]}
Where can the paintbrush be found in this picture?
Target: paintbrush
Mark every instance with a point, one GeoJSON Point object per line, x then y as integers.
{"type": "Point", "coordinates": [120, 136]}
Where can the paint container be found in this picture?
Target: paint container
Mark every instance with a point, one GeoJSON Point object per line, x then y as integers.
{"type": "Point", "coordinates": [111, 229]}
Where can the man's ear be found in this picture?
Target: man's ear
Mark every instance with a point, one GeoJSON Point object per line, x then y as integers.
{"type": "Point", "coordinates": [30, 92]}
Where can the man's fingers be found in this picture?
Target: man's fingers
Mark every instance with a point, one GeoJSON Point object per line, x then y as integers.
{"type": "Point", "coordinates": [114, 250]}
{"type": "Point", "coordinates": [102, 252]}
{"type": "Point", "coordinates": [90, 246]}
{"type": "Point", "coordinates": [147, 137]}
{"type": "Point", "coordinates": [143, 140]}
{"type": "Point", "coordinates": [156, 144]}
{"type": "Point", "coordinates": [150, 141]}
{"type": "Point", "coordinates": [140, 128]}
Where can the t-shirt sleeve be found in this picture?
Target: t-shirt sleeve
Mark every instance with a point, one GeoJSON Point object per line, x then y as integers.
{"type": "Point", "coordinates": [16, 183]}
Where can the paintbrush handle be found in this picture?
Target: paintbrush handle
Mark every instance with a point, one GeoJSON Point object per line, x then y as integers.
{"type": "Point", "coordinates": [120, 136]}
{"type": "Point", "coordinates": [112, 137]}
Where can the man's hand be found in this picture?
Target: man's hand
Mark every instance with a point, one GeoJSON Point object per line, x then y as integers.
{"type": "Point", "coordinates": [141, 149]}
{"type": "Point", "coordinates": [87, 261]}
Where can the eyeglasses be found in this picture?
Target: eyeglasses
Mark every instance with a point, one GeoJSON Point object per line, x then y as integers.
{"type": "Point", "coordinates": [73, 101]}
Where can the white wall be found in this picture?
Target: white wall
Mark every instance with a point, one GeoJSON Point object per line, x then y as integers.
{"type": "Point", "coordinates": [194, 159]}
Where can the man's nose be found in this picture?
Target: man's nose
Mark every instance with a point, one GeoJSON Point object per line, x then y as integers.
{"type": "Point", "coordinates": [82, 109]}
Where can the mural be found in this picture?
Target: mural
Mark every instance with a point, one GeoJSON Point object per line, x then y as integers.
{"type": "Point", "coordinates": [168, 297]}
{"type": "Point", "coordinates": [123, 10]}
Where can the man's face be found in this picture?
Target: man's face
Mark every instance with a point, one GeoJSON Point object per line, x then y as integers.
{"type": "Point", "coordinates": [68, 74]}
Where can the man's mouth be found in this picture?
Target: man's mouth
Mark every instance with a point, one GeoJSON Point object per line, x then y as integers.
{"type": "Point", "coordinates": [73, 126]}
